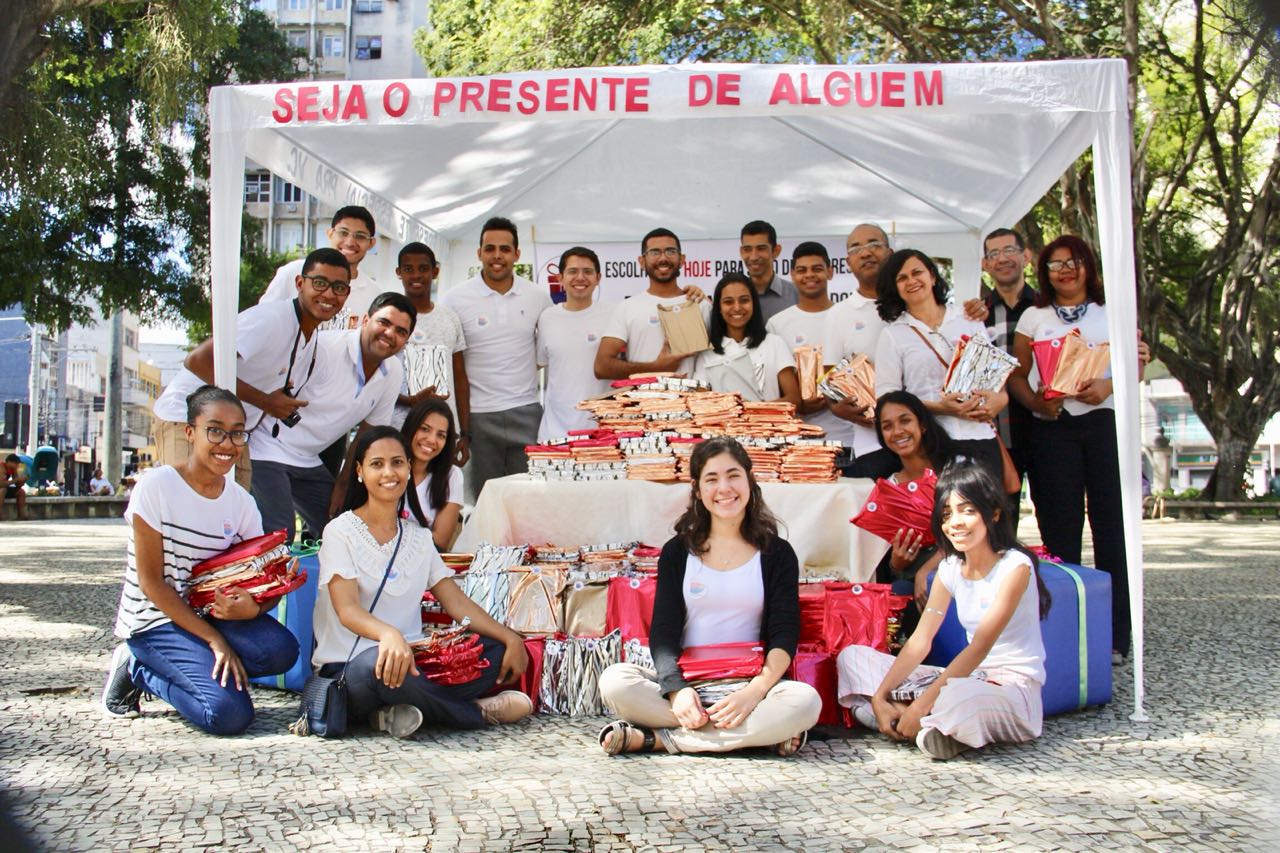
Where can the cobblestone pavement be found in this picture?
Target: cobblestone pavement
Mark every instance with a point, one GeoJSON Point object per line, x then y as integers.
{"type": "Point", "coordinates": [1202, 774]}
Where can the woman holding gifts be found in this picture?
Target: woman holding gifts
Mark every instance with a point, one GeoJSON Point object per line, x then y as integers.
{"type": "Point", "coordinates": [725, 577]}
{"type": "Point", "coordinates": [435, 501]}
{"type": "Point", "coordinates": [374, 568]}
{"type": "Point", "coordinates": [1073, 438]}
{"type": "Point", "coordinates": [743, 356]}
{"type": "Point", "coordinates": [990, 692]}
{"type": "Point", "coordinates": [179, 516]}
{"type": "Point", "coordinates": [914, 353]}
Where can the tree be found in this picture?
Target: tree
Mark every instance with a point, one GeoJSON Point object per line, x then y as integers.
{"type": "Point", "coordinates": [1206, 141]}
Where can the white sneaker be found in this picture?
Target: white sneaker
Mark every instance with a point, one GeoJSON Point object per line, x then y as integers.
{"type": "Point", "coordinates": [938, 746]}
{"type": "Point", "coordinates": [509, 706]}
{"type": "Point", "coordinates": [867, 717]}
{"type": "Point", "coordinates": [399, 721]}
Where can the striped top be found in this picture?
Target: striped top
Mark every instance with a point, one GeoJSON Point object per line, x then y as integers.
{"type": "Point", "coordinates": [192, 528]}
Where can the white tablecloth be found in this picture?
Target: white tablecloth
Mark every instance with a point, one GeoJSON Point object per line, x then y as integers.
{"type": "Point", "coordinates": [813, 517]}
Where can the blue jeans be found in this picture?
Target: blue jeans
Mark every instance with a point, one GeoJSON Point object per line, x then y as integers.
{"type": "Point", "coordinates": [449, 705]}
{"type": "Point", "coordinates": [174, 664]}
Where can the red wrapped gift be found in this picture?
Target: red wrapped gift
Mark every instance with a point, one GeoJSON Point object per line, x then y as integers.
{"type": "Point", "coordinates": [532, 677]}
{"type": "Point", "coordinates": [894, 506]}
{"type": "Point", "coordinates": [1047, 354]}
{"type": "Point", "coordinates": [818, 670]}
{"type": "Point", "coordinates": [260, 566]}
{"type": "Point", "coordinates": [630, 606]}
{"type": "Point", "coordinates": [450, 656]}
{"type": "Point", "coordinates": [722, 661]}
{"type": "Point", "coordinates": [813, 602]}
{"type": "Point", "coordinates": [858, 615]}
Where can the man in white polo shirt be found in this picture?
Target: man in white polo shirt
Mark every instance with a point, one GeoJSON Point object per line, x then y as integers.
{"type": "Point", "coordinates": [275, 358]}
{"type": "Point", "coordinates": [633, 339]}
{"type": "Point", "coordinates": [499, 311]}
{"type": "Point", "coordinates": [356, 381]}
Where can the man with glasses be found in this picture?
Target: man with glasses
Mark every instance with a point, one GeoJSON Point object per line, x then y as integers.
{"type": "Point", "coordinates": [758, 247]}
{"type": "Point", "coordinates": [633, 340]}
{"type": "Point", "coordinates": [499, 311]}
{"type": "Point", "coordinates": [352, 233]}
{"type": "Point", "coordinates": [356, 382]}
{"type": "Point", "coordinates": [1005, 259]}
{"type": "Point", "coordinates": [275, 357]}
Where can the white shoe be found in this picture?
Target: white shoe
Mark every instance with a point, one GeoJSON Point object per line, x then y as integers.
{"type": "Point", "coordinates": [399, 721]}
{"type": "Point", "coordinates": [509, 706]}
{"type": "Point", "coordinates": [867, 717]}
{"type": "Point", "coordinates": [938, 746]}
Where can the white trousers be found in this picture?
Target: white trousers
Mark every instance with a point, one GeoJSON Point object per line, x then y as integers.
{"type": "Point", "coordinates": [632, 693]}
{"type": "Point", "coordinates": [971, 710]}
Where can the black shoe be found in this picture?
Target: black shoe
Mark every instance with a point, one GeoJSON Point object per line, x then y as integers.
{"type": "Point", "coordinates": [120, 698]}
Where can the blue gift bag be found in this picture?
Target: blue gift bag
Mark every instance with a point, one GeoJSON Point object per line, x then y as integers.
{"type": "Point", "coordinates": [1076, 634]}
{"type": "Point", "coordinates": [294, 611]}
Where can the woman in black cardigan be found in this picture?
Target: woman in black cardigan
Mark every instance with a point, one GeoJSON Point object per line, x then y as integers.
{"type": "Point", "coordinates": [725, 577]}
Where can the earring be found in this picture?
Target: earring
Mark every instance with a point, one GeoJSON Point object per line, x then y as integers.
{"type": "Point", "coordinates": [359, 479]}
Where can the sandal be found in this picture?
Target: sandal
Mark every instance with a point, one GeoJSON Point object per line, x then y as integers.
{"type": "Point", "coordinates": [621, 731]}
{"type": "Point", "coordinates": [791, 746]}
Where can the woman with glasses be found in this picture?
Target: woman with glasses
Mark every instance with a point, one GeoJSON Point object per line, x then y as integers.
{"type": "Point", "coordinates": [915, 350]}
{"type": "Point", "coordinates": [743, 356]}
{"type": "Point", "coordinates": [1074, 458]}
{"type": "Point", "coordinates": [179, 516]}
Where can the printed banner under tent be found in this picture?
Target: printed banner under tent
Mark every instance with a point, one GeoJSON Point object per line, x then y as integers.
{"type": "Point", "coordinates": [602, 155]}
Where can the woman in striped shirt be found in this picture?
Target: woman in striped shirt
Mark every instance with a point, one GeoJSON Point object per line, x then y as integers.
{"type": "Point", "coordinates": [179, 516]}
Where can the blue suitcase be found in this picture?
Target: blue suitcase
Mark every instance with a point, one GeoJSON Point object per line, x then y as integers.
{"type": "Point", "coordinates": [294, 611]}
{"type": "Point", "coordinates": [1076, 634]}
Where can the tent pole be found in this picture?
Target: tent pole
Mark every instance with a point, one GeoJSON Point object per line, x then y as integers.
{"type": "Point", "coordinates": [226, 176]}
{"type": "Point", "coordinates": [1115, 230]}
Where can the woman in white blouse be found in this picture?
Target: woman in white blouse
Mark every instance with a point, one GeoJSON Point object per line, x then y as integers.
{"type": "Point", "coordinates": [362, 546]}
{"type": "Point", "coordinates": [435, 501]}
{"type": "Point", "coordinates": [915, 350]}
{"type": "Point", "coordinates": [743, 356]}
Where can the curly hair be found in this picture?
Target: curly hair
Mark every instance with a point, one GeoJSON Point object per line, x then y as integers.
{"type": "Point", "coordinates": [889, 303]}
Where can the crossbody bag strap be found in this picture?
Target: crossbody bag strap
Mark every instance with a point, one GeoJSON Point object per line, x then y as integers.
{"type": "Point", "coordinates": [386, 574]}
{"type": "Point", "coordinates": [921, 336]}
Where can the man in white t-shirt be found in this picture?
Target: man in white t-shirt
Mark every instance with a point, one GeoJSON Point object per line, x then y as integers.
{"type": "Point", "coordinates": [433, 359]}
{"type": "Point", "coordinates": [352, 233]}
{"type": "Point", "coordinates": [808, 323]}
{"type": "Point", "coordinates": [356, 381]}
{"type": "Point", "coordinates": [275, 357]}
{"type": "Point", "coordinates": [633, 340]}
{"type": "Point", "coordinates": [499, 311]}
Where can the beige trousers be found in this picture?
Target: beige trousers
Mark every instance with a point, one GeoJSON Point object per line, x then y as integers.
{"type": "Point", "coordinates": [172, 448]}
{"type": "Point", "coordinates": [974, 711]}
{"type": "Point", "coordinates": [632, 693]}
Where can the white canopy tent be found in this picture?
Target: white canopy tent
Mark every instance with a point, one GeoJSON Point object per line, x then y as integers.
{"type": "Point", "coordinates": [943, 152]}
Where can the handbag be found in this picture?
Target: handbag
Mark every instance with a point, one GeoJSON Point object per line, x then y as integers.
{"type": "Point", "coordinates": [1009, 479]}
{"type": "Point", "coordinates": [323, 709]}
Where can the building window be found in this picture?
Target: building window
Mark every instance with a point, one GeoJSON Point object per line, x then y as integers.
{"type": "Point", "coordinates": [130, 340]}
{"type": "Point", "coordinates": [288, 236]}
{"type": "Point", "coordinates": [287, 193]}
{"type": "Point", "coordinates": [297, 39]}
{"type": "Point", "coordinates": [257, 187]}
{"type": "Point", "coordinates": [333, 45]}
{"type": "Point", "coordinates": [368, 47]}
{"type": "Point", "coordinates": [297, 5]}
{"type": "Point", "coordinates": [334, 5]}
{"type": "Point", "coordinates": [369, 6]}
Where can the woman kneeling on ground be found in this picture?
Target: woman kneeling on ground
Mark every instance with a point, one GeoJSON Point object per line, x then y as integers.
{"type": "Point", "coordinates": [178, 517]}
{"type": "Point", "coordinates": [725, 577]}
{"type": "Point", "coordinates": [990, 693]}
{"type": "Point", "coordinates": [369, 546]}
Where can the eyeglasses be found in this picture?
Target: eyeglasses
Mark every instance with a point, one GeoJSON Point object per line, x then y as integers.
{"type": "Point", "coordinates": [321, 284]}
{"type": "Point", "coordinates": [359, 236]}
{"type": "Point", "coordinates": [1069, 265]}
{"type": "Point", "coordinates": [670, 252]}
{"type": "Point", "coordinates": [869, 246]}
{"type": "Point", "coordinates": [217, 435]}
{"type": "Point", "coordinates": [1007, 252]}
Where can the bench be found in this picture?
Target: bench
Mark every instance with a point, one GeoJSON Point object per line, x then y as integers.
{"type": "Point", "coordinates": [1169, 507]}
{"type": "Point", "coordinates": [84, 506]}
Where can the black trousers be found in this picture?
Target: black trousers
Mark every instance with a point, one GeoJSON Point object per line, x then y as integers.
{"type": "Point", "coordinates": [1075, 467]}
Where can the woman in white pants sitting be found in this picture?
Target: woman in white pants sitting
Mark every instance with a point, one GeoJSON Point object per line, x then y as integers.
{"type": "Point", "coordinates": [990, 692]}
{"type": "Point", "coordinates": [726, 577]}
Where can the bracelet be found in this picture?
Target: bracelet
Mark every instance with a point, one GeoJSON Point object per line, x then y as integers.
{"type": "Point", "coordinates": [935, 610]}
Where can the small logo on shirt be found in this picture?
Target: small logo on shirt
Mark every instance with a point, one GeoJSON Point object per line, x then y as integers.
{"type": "Point", "coordinates": [482, 321]}
{"type": "Point", "coordinates": [859, 326]}
{"type": "Point", "coordinates": [591, 338]}
{"type": "Point", "coordinates": [227, 527]}
{"type": "Point", "coordinates": [800, 339]}
{"type": "Point", "coordinates": [653, 319]}
{"type": "Point", "coordinates": [697, 589]}
{"type": "Point", "coordinates": [419, 336]}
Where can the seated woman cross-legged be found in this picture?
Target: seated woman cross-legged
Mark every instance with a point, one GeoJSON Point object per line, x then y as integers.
{"type": "Point", "coordinates": [178, 517]}
{"type": "Point", "coordinates": [990, 693]}
{"type": "Point", "coordinates": [726, 577]}
{"type": "Point", "coordinates": [374, 568]}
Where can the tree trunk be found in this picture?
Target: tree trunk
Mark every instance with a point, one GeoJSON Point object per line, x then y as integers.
{"type": "Point", "coordinates": [1228, 480]}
